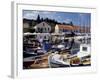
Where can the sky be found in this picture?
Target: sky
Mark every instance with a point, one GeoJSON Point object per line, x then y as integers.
{"type": "Point", "coordinates": [81, 19]}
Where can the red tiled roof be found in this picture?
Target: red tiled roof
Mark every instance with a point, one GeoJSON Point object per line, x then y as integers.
{"type": "Point", "coordinates": [68, 27]}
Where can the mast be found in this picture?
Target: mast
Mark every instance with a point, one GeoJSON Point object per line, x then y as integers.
{"type": "Point", "coordinates": [81, 24]}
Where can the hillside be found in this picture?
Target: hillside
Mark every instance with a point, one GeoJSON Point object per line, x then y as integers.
{"type": "Point", "coordinates": [51, 22]}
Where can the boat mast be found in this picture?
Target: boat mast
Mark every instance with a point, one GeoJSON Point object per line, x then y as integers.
{"type": "Point", "coordinates": [84, 27]}
{"type": "Point", "coordinates": [81, 25]}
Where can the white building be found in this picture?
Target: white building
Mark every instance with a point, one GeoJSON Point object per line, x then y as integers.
{"type": "Point", "coordinates": [42, 27]}
{"type": "Point", "coordinates": [66, 28]}
{"type": "Point", "coordinates": [43, 31]}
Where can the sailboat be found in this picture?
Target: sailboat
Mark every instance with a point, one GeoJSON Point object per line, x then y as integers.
{"type": "Point", "coordinates": [85, 49]}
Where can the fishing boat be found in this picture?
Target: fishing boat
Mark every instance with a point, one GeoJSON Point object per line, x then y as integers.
{"type": "Point", "coordinates": [56, 60]}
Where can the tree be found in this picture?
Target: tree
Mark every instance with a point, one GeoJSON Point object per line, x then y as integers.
{"type": "Point", "coordinates": [71, 23]}
{"type": "Point", "coordinates": [42, 19]}
{"type": "Point", "coordinates": [31, 30]}
{"type": "Point", "coordinates": [38, 19]}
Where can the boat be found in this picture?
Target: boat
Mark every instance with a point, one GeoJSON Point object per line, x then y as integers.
{"type": "Point", "coordinates": [84, 54]}
{"type": "Point", "coordinates": [55, 60]}
{"type": "Point", "coordinates": [85, 48]}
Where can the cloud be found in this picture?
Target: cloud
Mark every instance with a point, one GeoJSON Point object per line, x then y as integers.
{"type": "Point", "coordinates": [30, 14]}
{"type": "Point", "coordinates": [76, 18]}
{"type": "Point", "coordinates": [67, 20]}
{"type": "Point", "coordinates": [43, 14]}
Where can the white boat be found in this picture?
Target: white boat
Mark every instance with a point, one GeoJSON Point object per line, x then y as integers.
{"type": "Point", "coordinates": [55, 61]}
{"type": "Point", "coordinates": [85, 54]}
{"type": "Point", "coordinates": [84, 50]}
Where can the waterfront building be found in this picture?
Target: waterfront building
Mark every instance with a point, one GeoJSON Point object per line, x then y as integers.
{"type": "Point", "coordinates": [42, 27]}
{"type": "Point", "coordinates": [42, 31]}
{"type": "Point", "coordinates": [66, 28]}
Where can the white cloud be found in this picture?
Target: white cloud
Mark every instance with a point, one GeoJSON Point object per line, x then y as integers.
{"type": "Point", "coordinates": [33, 14]}
{"type": "Point", "coordinates": [30, 14]}
{"type": "Point", "coordinates": [59, 17]}
{"type": "Point", "coordinates": [67, 20]}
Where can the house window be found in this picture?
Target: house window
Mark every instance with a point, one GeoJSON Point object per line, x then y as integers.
{"type": "Point", "coordinates": [38, 29]}
{"type": "Point", "coordinates": [44, 29]}
{"type": "Point", "coordinates": [84, 48]}
{"type": "Point", "coordinates": [48, 29]}
{"type": "Point", "coordinates": [43, 24]}
{"type": "Point", "coordinates": [41, 30]}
